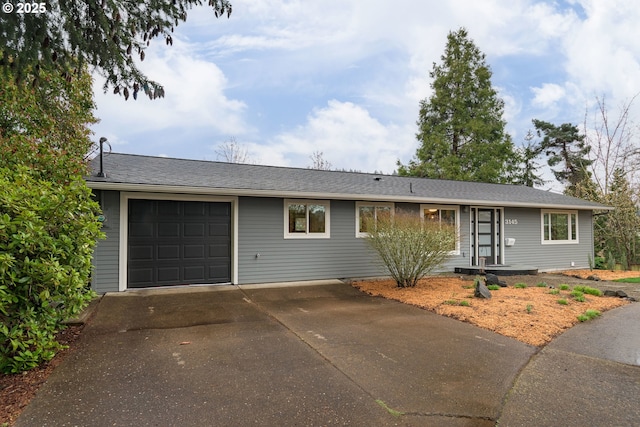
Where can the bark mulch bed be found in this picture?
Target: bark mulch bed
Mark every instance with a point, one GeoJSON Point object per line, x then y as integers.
{"type": "Point", "coordinates": [531, 315]}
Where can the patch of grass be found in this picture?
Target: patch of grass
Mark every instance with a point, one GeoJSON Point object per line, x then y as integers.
{"type": "Point", "coordinates": [588, 315]}
{"type": "Point", "coordinates": [563, 287]}
{"type": "Point", "coordinates": [389, 410]}
{"type": "Point", "coordinates": [628, 280]}
{"type": "Point", "coordinates": [520, 285]}
{"type": "Point", "coordinates": [563, 301]}
{"type": "Point", "coordinates": [529, 308]}
{"type": "Point", "coordinates": [541, 285]}
{"type": "Point", "coordinates": [578, 295]}
{"type": "Point", "coordinates": [588, 290]}
{"type": "Point", "coordinates": [493, 287]}
{"type": "Point", "coordinates": [554, 291]}
{"type": "Point", "coordinates": [463, 303]}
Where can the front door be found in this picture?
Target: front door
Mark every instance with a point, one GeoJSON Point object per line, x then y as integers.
{"type": "Point", "coordinates": [487, 231]}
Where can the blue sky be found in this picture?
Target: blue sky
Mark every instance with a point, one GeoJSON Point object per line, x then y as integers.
{"type": "Point", "coordinates": [344, 77]}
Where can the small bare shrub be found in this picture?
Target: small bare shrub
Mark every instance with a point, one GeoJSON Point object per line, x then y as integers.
{"type": "Point", "coordinates": [409, 247]}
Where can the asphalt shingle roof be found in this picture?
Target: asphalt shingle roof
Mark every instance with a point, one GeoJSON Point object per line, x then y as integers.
{"type": "Point", "coordinates": [145, 173]}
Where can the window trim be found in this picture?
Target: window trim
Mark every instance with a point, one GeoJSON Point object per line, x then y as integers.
{"type": "Point", "coordinates": [391, 205]}
{"type": "Point", "coordinates": [543, 212]}
{"type": "Point", "coordinates": [308, 235]}
{"type": "Point", "coordinates": [455, 208]}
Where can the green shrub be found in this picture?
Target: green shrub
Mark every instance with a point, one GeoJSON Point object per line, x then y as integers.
{"type": "Point", "coordinates": [599, 263]}
{"type": "Point", "coordinates": [520, 285]}
{"type": "Point", "coordinates": [465, 303]}
{"type": "Point", "coordinates": [529, 308]}
{"type": "Point", "coordinates": [554, 291]}
{"type": "Point", "coordinates": [47, 235]}
{"type": "Point", "coordinates": [563, 287]}
{"type": "Point", "coordinates": [579, 298]}
{"type": "Point", "coordinates": [541, 285]}
{"type": "Point", "coordinates": [563, 302]}
{"type": "Point", "coordinates": [493, 287]}
{"type": "Point", "coordinates": [409, 247]}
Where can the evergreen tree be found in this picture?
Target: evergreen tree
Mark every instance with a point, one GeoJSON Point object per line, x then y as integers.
{"type": "Point", "coordinates": [462, 133]}
{"type": "Point", "coordinates": [617, 232]}
{"type": "Point", "coordinates": [565, 147]}
{"type": "Point", "coordinates": [67, 35]}
{"type": "Point", "coordinates": [526, 169]}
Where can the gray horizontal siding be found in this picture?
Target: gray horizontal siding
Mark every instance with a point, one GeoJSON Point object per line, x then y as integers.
{"type": "Point", "coordinates": [261, 231]}
{"type": "Point", "coordinates": [106, 255]}
{"type": "Point", "coordinates": [529, 250]}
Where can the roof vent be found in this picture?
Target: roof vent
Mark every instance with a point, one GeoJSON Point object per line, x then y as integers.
{"type": "Point", "coordinates": [101, 173]}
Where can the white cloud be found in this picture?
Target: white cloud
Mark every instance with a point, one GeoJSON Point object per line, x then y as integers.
{"type": "Point", "coordinates": [347, 136]}
{"type": "Point", "coordinates": [194, 98]}
{"type": "Point", "coordinates": [547, 95]}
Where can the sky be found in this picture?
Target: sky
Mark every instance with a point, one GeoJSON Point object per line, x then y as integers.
{"type": "Point", "coordinates": [286, 79]}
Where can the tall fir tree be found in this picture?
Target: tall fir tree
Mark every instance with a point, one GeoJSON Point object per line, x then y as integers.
{"type": "Point", "coordinates": [461, 130]}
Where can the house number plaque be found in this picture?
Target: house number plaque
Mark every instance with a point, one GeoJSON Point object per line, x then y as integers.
{"type": "Point", "coordinates": [509, 221]}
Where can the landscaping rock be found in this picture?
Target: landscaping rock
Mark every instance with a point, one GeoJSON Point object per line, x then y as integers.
{"type": "Point", "coordinates": [594, 278]}
{"type": "Point", "coordinates": [618, 294]}
{"type": "Point", "coordinates": [481, 291]}
{"type": "Point", "coordinates": [492, 279]}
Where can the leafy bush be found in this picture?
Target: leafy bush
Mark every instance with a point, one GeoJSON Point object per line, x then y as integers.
{"type": "Point", "coordinates": [599, 263]}
{"type": "Point", "coordinates": [563, 287]}
{"type": "Point", "coordinates": [541, 285]}
{"type": "Point", "coordinates": [47, 234]}
{"type": "Point", "coordinates": [493, 287]}
{"type": "Point", "coordinates": [554, 291]}
{"type": "Point", "coordinates": [409, 247]}
{"type": "Point", "coordinates": [563, 302]}
{"type": "Point", "coordinates": [520, 285]}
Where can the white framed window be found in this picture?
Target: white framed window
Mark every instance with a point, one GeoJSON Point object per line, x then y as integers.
{"type": "Point", "coordinates": [559, 227]}
{"type": "Point", "coordinates": [370, 211]}
{"type": "Point", "coordinates": [444, 214]}
{"type": "Point", "coordinates": [306, 219]}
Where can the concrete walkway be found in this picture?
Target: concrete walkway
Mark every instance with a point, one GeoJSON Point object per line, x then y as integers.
{"type": "Point", "coordinates": [329, 355]}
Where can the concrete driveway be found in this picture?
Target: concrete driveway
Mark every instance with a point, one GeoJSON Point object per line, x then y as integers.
{"type": "Point", "coordinates": [289, 356]}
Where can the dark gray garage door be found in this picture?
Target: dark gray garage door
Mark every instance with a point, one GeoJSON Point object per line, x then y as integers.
{"type": "Point", "coordinates": [178, 243]}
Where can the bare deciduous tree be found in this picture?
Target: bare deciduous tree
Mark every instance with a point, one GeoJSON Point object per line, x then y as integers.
{"type": "Point", "coordinates": [319, 162]}
{"type": "Point", "coordinates": [612, 143]}
{"type": "Point", "coordinates": [232, 152]}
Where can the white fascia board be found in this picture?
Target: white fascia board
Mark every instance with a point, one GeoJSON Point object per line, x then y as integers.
{"type": "Point", "coordinates": [177, 189]}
